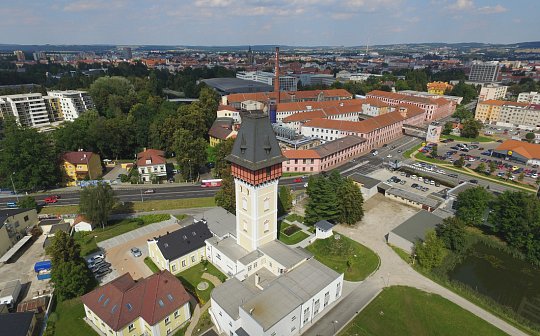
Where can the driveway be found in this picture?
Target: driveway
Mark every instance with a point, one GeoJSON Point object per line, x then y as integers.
{"type": "Point", "coordinates": [393, 270]}
{"type": "Point", "coordinates": [118, 251]}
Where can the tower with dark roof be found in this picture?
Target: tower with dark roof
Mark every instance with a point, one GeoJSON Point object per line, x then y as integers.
{"type": "Point", "coordinates": [256, 167]}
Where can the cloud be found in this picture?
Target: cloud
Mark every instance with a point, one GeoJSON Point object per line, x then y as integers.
{"type": "Point", "coordinates": [461, 5]}
{"type": "Point", "coordinates": [492, 9]}
{"type": "Point", "coordinates": [213, 3]}
{"type": "Point", "coordinates": [89, 5]}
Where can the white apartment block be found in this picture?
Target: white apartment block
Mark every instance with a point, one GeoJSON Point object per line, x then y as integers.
{"type": "Point", "coordinates": [492, 91]}
{"type": "Point", "coordinates": [529, 97]}
{"type": "Point", "coordinates": [286, 83]}
{"type": "Point", "coordinates": [29, 110]}
{"type": "Point", "coordinates": [72, 103]}
{"type": "Point", "coordinates": [484, 71]}
{"type": "Point", "coordinates": [517, 115]}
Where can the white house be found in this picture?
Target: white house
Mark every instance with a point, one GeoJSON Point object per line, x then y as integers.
{"type": "Point", "coordinates": [150, 163]}
{"type": "Point", "coordinates": [323, 229]}
{"type": "Point", "coordinates": [82, 224]}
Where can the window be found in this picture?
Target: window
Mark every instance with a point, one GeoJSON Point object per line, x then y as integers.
{"type": "Point", "coordinates": [173, 268]}
{"type": "Point", "coordinates": [266, 225]}
{"type": "Point", "coordinates": [183, 263]}
{"type": "Point", "coordinates": [268, 171]}
{"type": "Point", "coordinates": [316, 307]}
{"type": "Point", "coordinates": [244, 203]}
{"type": "Point", "coordinates": [244, 225]}
{"type": "Point", "coordinates": [293, 329]}
{"type": "Point", "coordinates": [192, 258]}
{"type": "Point", "coordinates": [131, 327]}
{"type": "Point", "coordinates": [218, 256]}
{"type": "Point", "coordinates": [167, 320]}
{"type": "Point", "coordinates": [168, 331]}
{"type": "Point", "coordinates": [338, 289]}
{"type": "Point", "coordinates": [176, 314]}
{"type": "Point", "coordinates": [293, 318]}
{"type": "Point", "coordinates": [266, 204]}
{"type": "Point", "coordinates": [249, 268]}
{"type": "Point", "coordinates": [26, 218]}
{"type": "Point", "coordinates": [306, 315]}
{"type": "Point", "coordinates": [326, 298]}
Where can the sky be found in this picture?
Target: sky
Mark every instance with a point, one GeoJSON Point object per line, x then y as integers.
{"type": "Point", "coordinates": [256, 22]}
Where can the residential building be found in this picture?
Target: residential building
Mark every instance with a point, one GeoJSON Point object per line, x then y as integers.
{"type": "Point", "coordinates": [484, 71]}
{"type": "Point", "coordinates": [348, 113]}
{"type": "Point", "coordinates": [508, 113]}
{"type": "Point", "coordinates": [286, 83]}
{"type": "Point", "coordinates": [456, 99]}
{"type": "Point", "coordinates": [439, 88]}
{"type": "Point", "coordinates": [14, 225]}
{"type": "Point", "coordinates": [262, 268]}
{"type": "Point", "coordinates": [180, 249]}
{"type": "Point", "coordinates": [269, 98]}
{"type": "Point", "coordinates": [492, 91]}
{"type": "Point", "coordinates": [374, 107]}
{"type": "Point", "coordinates": [226, 111]}
{"type": "Point", "coordinates": [157, 305]}
{"type": "Point", "coordinates": [529, 97]}
{"type": "Point", "coordinates": [284, 110]}
{"type": "Point", "coordinates": [29, 109]}
{"type": "Point", "coordinates": [20, 55]}
{"type": "Point", "coordinates": [80, 165]}
{"type": "Point", "coordinates": [72, 103]}
{"type": "Point", "coordinates": [434, 108]}
{"type": "Point", "coordinates": [151, 164]}
{"type": "Point", "coordinates": [221, 130]}
{"type": "Point", "coordinates": [18, 324]}
{"type": "Point", "coordinates": [413, 230]}
{"type": "Point", "coordinates": [488, 110]}
{"type": "Point", "coordinates": [324, 157]}
{"type": "Point", "coordinates": [81, 223]}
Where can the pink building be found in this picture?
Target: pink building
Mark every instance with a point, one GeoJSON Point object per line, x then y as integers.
{"type": "Point", "coordinates": [324, 157]}
{"type": "Point", "coordinates": [435, 108]}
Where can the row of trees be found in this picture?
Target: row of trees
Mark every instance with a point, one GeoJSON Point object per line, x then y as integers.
{"type": "Point", "coordinates": [333, 198]}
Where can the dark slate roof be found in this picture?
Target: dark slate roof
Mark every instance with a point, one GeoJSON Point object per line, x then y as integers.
{"type": "Point", "coordinates": [415, 228]}
{"type": "Point", "coordinates": [366, 181]}
{"type": "Point", "coordinates": [241, 332]}
{"type": "Point", "coordinates": [256, 146]}
{"type": "Point", "coordinates": [17, 323]}
{"type": "Point", "coordinates": [335, 146]}
{"type": "Point", "coordinates": [324, 225]}
{"type": "Point", "coordinates": [183, 241]}
{"type": "Point", "coordinates": [5, 213]}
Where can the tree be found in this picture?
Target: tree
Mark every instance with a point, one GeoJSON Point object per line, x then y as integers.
{"type": "Point", "coordinates": [448, 127]}
{"type": "Point", "coordinates": [71, 279]}
{"type": "Point", "coordinates": [471, 128]}
{"type": "Point", "coordinates": [530, 136]}
{"type": "Point", "coordinates": [462, 114]}
{"type": "Point", "coordinates": [434, 151]}
{"type": "Point", "coordinates": [63, 248]}
{"type": "Point", "coordinates": [350, 202]}
{"type": "Point", "coordinates": [209, 103]}
{"type": "Point", "coordinates": [113, 95]}
{"type": "Point", "coordinates": [225, 197]}
{"type": "Point", "coordinates": [190, 150]}
{"type": "Point", "coordinates": [508, 174]}
{"type": "Point", "coordinates": [492, 167]}
{"type": "Point", "coordinates": [459, 162]}
{"type": "Point", "coordinates": [285, 199]}
{"type": "Point", "coordinates": [468, 92]}
{"type": "Point", "coordinates": [28, 158]}
{"type": "Point", "coordinates": [472, 204]}
{"type": "Point", "coordinates": [161, 132]}
{"type": "Point", "coordinates": [96, 203]}
{"type": "Point", "coordinates": [430, 252]}
{"type": "Point", "coordinates": [27, 202]}
{"type": "Point", "coordinates": [452, 233]}
{"type": "Point", "coordinates": [481, 168]}
{"type": "Point", "coordinates": [221, 151]}
{"type": "Point", "coordinates": [521, 176]}
{"type": "Point", "coordinates": [322, 202]}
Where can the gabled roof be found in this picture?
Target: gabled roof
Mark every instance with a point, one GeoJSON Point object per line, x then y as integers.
{"type": "Point", "coordinates": [324, 225]}
{"type": "Point", "coordinates": [123, 300]}
{"type": "Point", "coordinates": [222, 128]}
{"type": "Point", "coordinates": [6, 213]}
{"type": "Point", "coordinates": [18, 324]}
{"type": "Point", "coordinates": [180, 242]}
{"type": "Point", "coordinates": [256, 146]}
{"type": "Point", "coordinates": [363, 126]}
{"type": "Point", "coordinates": [155, 156]}
{"type": "Point", "coordinates": [526, 149]}
{"type": "Point", "coordinates": [301, 154]}
{"type": "Point", "coordinates": [403, 97]}
{"type": "Point", "coordinates": [78, 157]}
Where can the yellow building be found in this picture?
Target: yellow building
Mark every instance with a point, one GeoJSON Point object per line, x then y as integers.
{"type": "Point", "coordinates": [180, 249]}
{"type": "Point", "coordinates": [13, 226]}
{"type": "Point", "coordinates": [439, 88]}
{"type": "Point", "coordinates": [489, 110]}
{"type": "Point", "coordinates": [155, 306]}
{"type": "Point", "coordinates": [221, 130]}
{"type": "Point", "coordinates": [80, 165]}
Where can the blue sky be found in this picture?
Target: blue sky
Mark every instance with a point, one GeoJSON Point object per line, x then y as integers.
{"type": "Point", "coordinates": [291, 22]}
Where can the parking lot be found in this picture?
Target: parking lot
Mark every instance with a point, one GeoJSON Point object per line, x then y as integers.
{"type": "Point", "coordinates": [408, 182]}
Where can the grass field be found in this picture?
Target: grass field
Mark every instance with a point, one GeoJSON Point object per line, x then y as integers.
{"type": "Point", "coordinates": [205, 323]}
{"type": "Point", "coordinates": [408, 152]}
{"type": "Point", "coordinates": [295, 238]}
{"type": "Point", "coordinates": [67, 319]}
{"type": "Point", "coordinates": [408, 311]}
{"type": "Point", "coordinates": [192, 276]}
{"type": "Point", "coordinates": [132, 207]}
{"type": "Point", "coordinates": [89, 240]}
{"type": "Point", "coordinates": [151, 265]}
{"type": "Point", "coordinates": [477, 139]}
{"type": "Point", "coordinates": [344, 255]}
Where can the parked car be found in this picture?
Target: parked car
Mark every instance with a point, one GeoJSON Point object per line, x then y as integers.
{"type": "Point", "coordinates": [99, 266]}
{"type": "Point", "coordinates": [298, 180]}
{"type": "Point", "coordinates": [474, 181]}
{"type": "Point", "coordinates": [95, 258]}
{"type": "Point", "coordinates": [51, 199]}
{"type": "Point", "coordinates": [136, 252]}
{"type": "Point", "coordinates": [414, 185]}
{"type": "Point", "coordinates": [102, 272]}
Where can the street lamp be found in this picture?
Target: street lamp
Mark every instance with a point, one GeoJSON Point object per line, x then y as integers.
{"type": "Point", "coordinates": [334, 323]}
{"type": "Point", "coordinates": [13, 184]}
{"type": "Point", "coordinates": [189, 162]}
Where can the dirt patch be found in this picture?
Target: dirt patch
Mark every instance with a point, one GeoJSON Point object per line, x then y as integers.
{"type": "Point", "coordinates": [289, 231]}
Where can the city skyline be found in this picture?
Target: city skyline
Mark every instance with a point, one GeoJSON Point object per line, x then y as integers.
{"type": "Point", "coordinates": [245, 22]}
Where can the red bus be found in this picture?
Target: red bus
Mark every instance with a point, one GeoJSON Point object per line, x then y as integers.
{"type": "Point", "coordinates": [211, 183]}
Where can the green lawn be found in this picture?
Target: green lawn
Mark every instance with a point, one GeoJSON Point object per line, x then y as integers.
{"type": "Point", "coordinates": [89, 240]}
{"type": "Point", "coordinates": [295, 217]}
{"type": "Point", "coordinates": [402, 254]}
{"type": "Point", "coordinates": [295, 238]}
{"type": "Point", "coordinates": [205, 323]}
{"type": "Point", "coordinates": [67, 319]}
{"type": "Point", "coordinates": [153, 267]}
{"type": "Point", "coordinates": [344, 255]}
{"type": "Point", "coordinates": [408, 152]}
{"type": "Point", "coordinates": [294, 174]}
{"type": "Point", "coordinates": [422, 156]}
{"type": "Point", "coordinates": [477, 139]}
{"type": "Point", "coordinates": [408, 311]}
{"type": "Point", "coordinates": [133, 207]}
{"type": "Point", "coordinates": [192, 276]}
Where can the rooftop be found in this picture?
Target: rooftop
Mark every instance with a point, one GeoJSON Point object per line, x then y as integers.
{"type": "Point", "coordinates": [220, 222]}
{"type": "Point", "coordinates": [335, 146]}
{"type": "Point", "coordinates": [284, 255]}
{"type": "Point", "coordinates": [6, 213]}
{"type": "Point", "coordinates": [366, 181]}
{"type": "Point", "coordinates": [18, 324]}
{"type": "Point", "coordinates": [180, 242]}
{"type": "Point", "coordinates": [229, 247]}
{"type": "Point", "coordinates": [324, 225]}
{"type": "Point", "coordinates": [526, 149]}
{"type": "Point", "coordinates": [77, 157]}
{"type": "Point", "coordinates": [230, 85]}
{"type": "Point", "coordinates": [230, 303]}
{"type": "Point", "coordinates": [413, 197]}
{"type": "Point", "coordinates": [415, 227]}
{"type": "Point", "coordinates": [151, 157]}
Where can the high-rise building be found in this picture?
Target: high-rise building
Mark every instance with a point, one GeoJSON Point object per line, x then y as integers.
{"type": "Point", "coordinates": [28, 109]}
{"type": "Point", "coordinates": [529, 97]}
{"type": "Point", "coordinates": [492, 91]}
{"type": "Point", "coordinates": [484, 71]}
{"type": "Point", "coordinates": [286, 83]}
{"type": "Point", "coordinates": [20, 55]}
{"type": "Point", "coordinates": [72, 103]}
{"type": "Point", "coordinates": [250, 57]}
{"type": "Point", "coordinates": [126, 53]}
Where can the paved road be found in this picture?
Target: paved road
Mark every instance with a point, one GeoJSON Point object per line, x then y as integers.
{"type": "Point", "coordinates": [392, 271]}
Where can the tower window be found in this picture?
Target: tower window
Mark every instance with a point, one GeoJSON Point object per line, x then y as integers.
{"type": "Point", "coordinates": [266, 204]}
{"type": "Point", "coordinates": [244, 203]}
{"type": "Point", "coordinates": [268, 171]}
{"type": "Point", "coordinates": [266, 226]}
{"type": "Point", "coordinates": [244, 224]}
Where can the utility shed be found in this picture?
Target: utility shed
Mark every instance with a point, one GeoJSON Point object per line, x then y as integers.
{"type": "Point", "coordinates": [413, 229]}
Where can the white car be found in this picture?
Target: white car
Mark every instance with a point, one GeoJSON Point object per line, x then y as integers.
{"type": "Point", "coordinates": [389, 156]}
{"type": "Point", "coordinates": [413, 177]}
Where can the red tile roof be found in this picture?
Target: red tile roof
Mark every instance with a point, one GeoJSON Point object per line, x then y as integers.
{"type": "Point", "coordinates": [316, 105]}
{"type": "Point", "coordinates": [123, 300]}
{"type": "Point", "coordinates": [292, 95]}
{"type": "Point", "coordinates": [155, 156]}
{"type": "Point", "coordinates": [301, 154]}
{"type": "Point", "coordinates": [405, 98]}
{"type": "Point", "coordinates": [526, 149]}
{"type": "Point", "coordinates": [77, 157]}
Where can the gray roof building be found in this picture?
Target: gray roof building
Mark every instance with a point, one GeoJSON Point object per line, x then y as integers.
{"type": "Point", "coordinates": [220, 222]}
{"type": "Point", "coordinates": [335, 146]}
{"type": "Point", "coordinates": [236, 85]}
{"type": "Point", "coordinates": [324, 225]}
{"type": "Point", "coordinates": [283, 254]}
{"type": "Point", "coordinates": [413, 197]}
{"type": "Point", "coordinates": [231, 294]}
{"type": "Point", "coordinates": [256, 146]}
{"type": "Point", "coordinates": [366, 181]}
{"type": "Point", "coordinates": [177, 243]}
{"type": "Point", "coordinates": [18, 324]}
{"type": "Point", "coordinates": [415, 228]}
{"type": "Point", "coordinates": [6, 213]}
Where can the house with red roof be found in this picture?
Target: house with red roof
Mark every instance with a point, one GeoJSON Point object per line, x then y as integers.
{"type": "Point", "coordinates": [81, 165]}
{"type": "Point", "coordinates": [157, 305]}
{"type": "Point", "coordinates": [151, 164]}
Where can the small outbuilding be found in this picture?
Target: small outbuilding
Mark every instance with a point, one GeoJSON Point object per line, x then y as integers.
{"type": "Point", "coordinates": [413, 229]}
{"type": "Point", "coordinates": [368, 185]}
{"type": "Point", "coordinates": [82, 224]}
{"type": "Point", "coordinates": [9, 292]}
{"type": "Point", "coordinates": [323, 229]}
